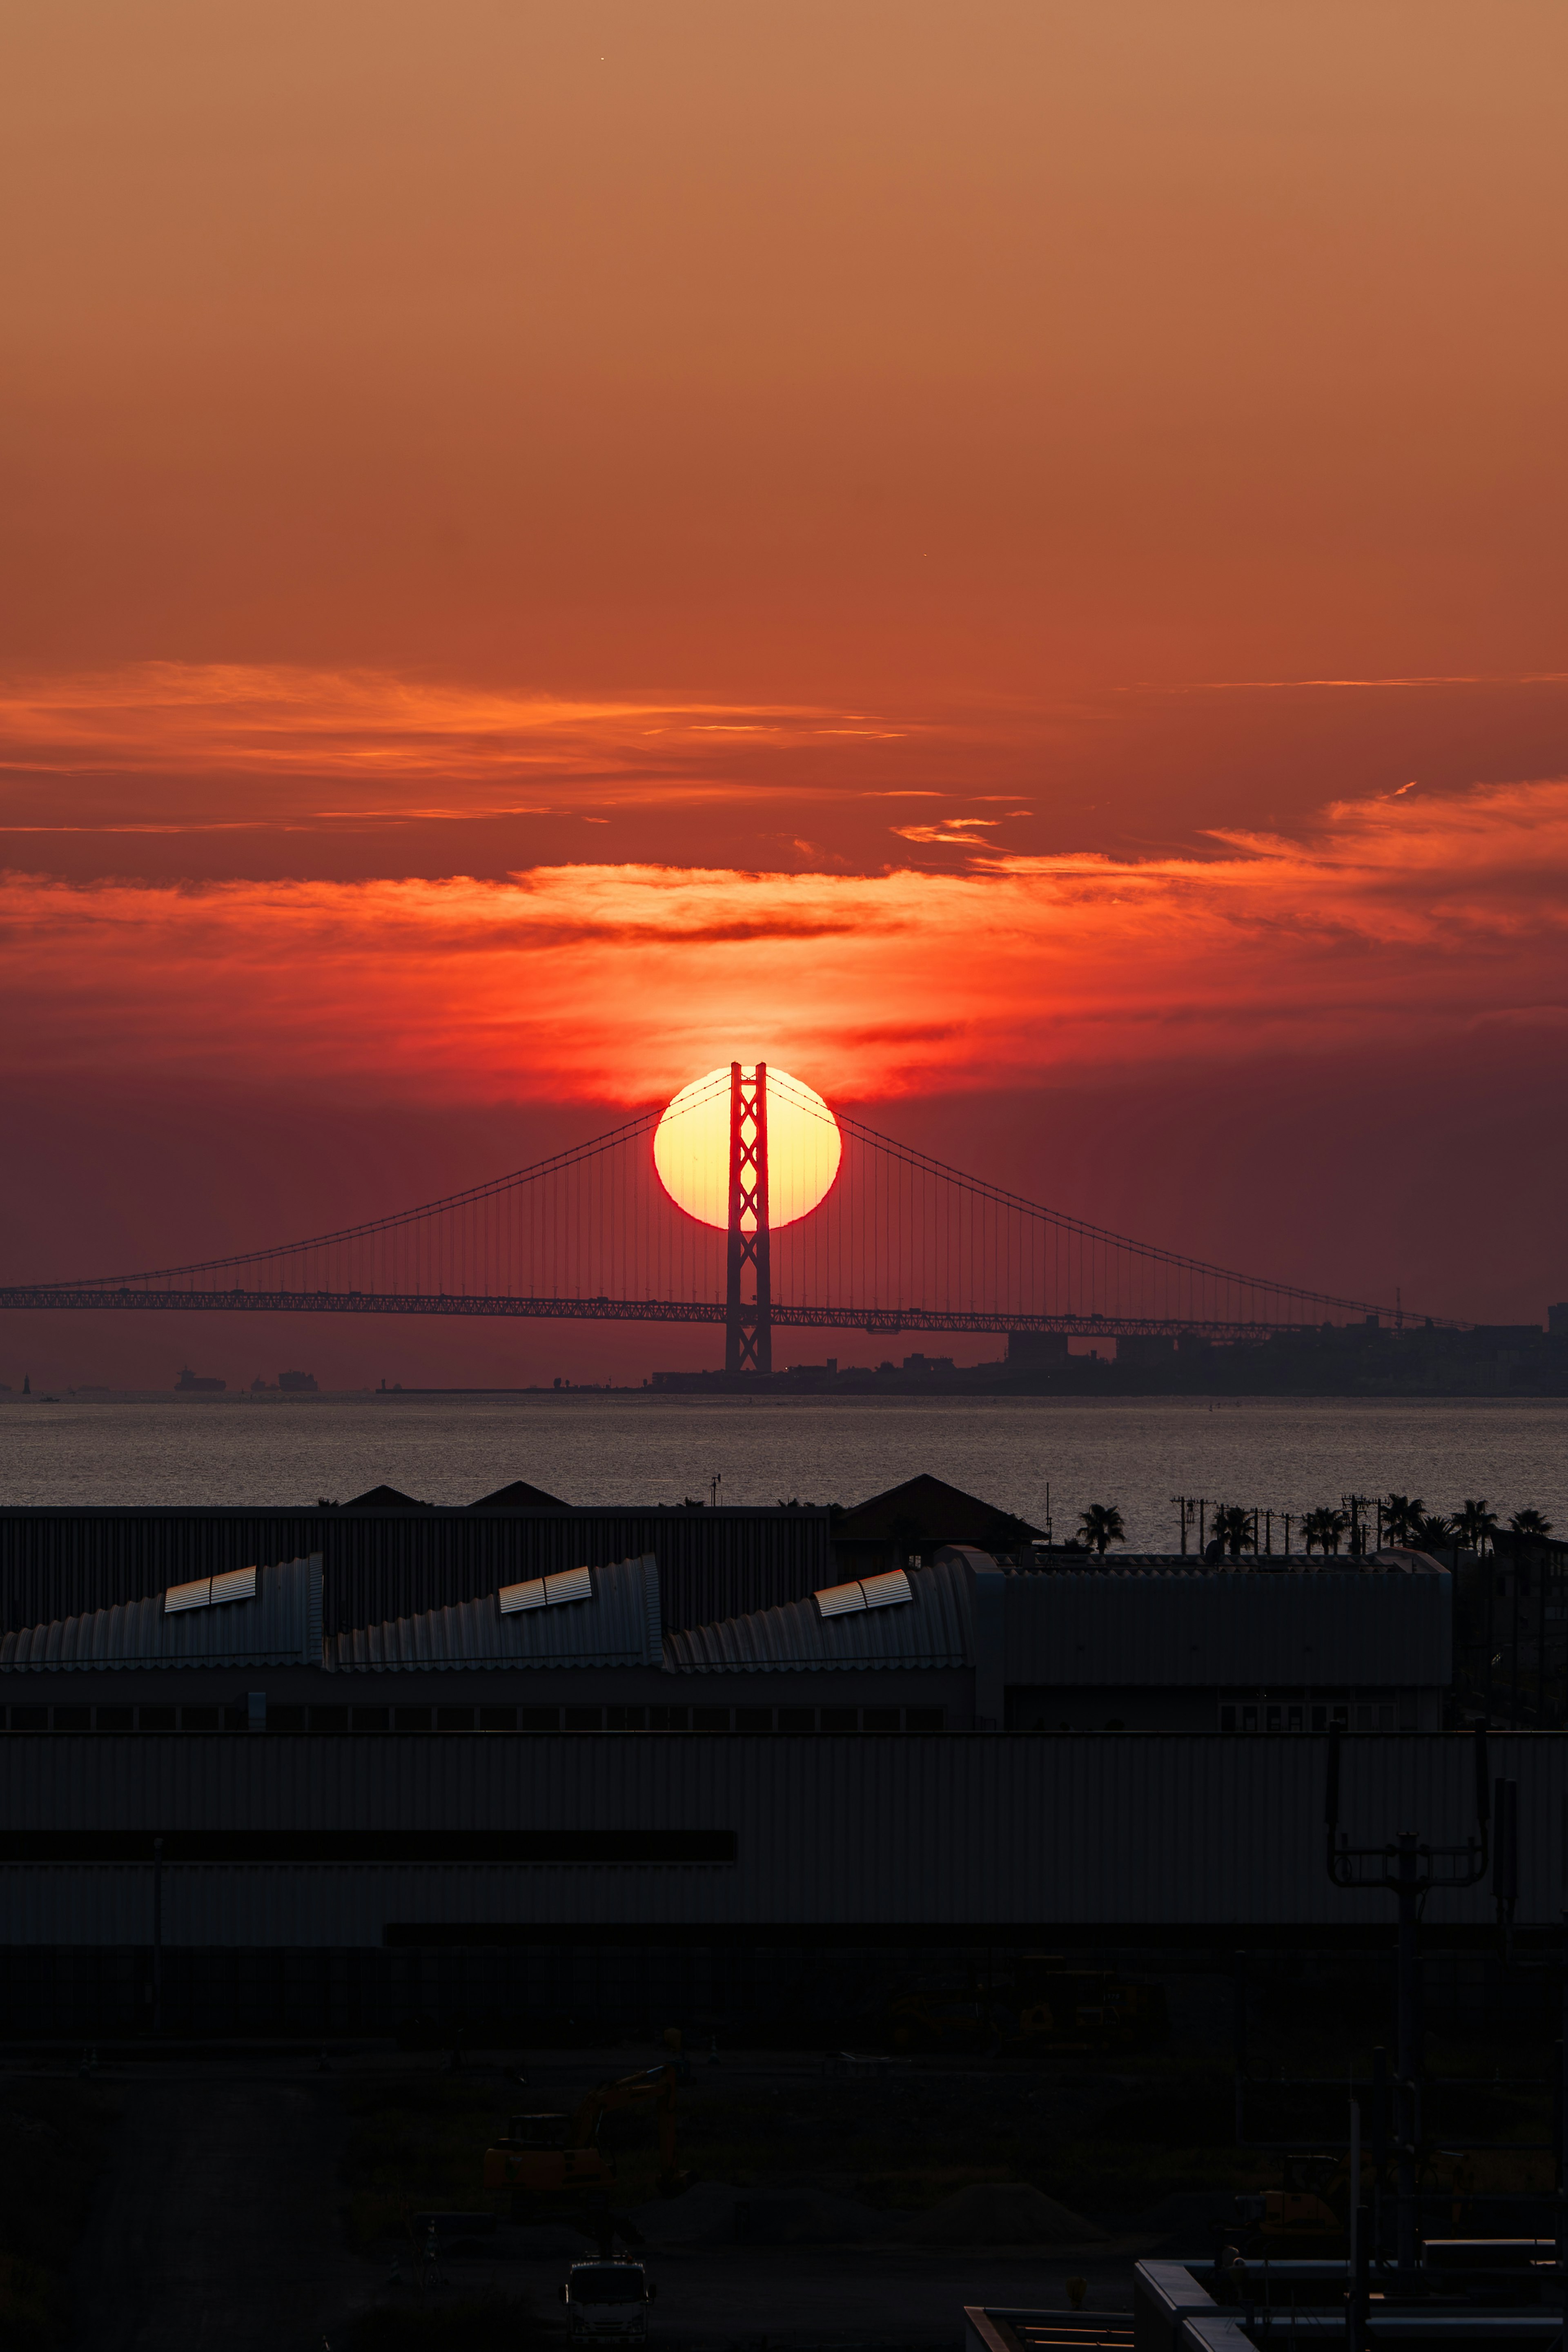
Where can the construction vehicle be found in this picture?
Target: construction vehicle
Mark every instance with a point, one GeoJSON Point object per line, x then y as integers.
{"type": "Point", "coordinates": [1311, 2209]}
{"type": "Point", "coordinates": [1060, 2007]}
{"type": "Point", "coordinates": [1038, 2000]}
{"type": "Point", "coordinates": [607, 2303]}
{"type": "Point", "coordinates": [547, 2161]}
{"type": "Point", "coordinates": [946, 2016]}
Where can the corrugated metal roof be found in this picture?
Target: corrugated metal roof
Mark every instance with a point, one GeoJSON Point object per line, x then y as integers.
{"type": "Point", "coordinates": [1099, 1830]}
{"type": "Point", "coordinates": [933, 1631]}
{"type": "Point", "coordinates": [619, 1626]}
{"type": "Point", "coordinates": [1168, 1625]}
{"type": "Point", "coordinates": [281, 1626]}
{"type": "Point", "coordinates": [58, 1562]}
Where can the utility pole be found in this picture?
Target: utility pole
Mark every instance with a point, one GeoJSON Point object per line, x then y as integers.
{"type": "Point", "coordinates": [1407, 1869]}
{"type": "Point", "coordinates": [157, 1936]}
{"type": "Point", "coordinates": [748, 1322]}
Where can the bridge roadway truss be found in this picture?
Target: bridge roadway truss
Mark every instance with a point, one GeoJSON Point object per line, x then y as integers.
{"type": "Point", "coordinates": [873, 1320]}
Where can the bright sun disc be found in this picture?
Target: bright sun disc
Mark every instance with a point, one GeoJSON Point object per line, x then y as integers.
{"type": "Point", "coordinates": [691, 1148]}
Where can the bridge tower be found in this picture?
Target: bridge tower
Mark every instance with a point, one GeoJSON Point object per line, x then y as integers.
{"type": "Point", "coordinates": [748, 1322]}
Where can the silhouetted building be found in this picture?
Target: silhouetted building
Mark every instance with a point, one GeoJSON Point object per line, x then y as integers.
{"type": "Point", "coordinates": [912, 1520]}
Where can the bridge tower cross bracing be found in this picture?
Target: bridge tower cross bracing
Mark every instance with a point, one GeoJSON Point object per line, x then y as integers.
{"type": "Point", "coordinates": [748, 1322]}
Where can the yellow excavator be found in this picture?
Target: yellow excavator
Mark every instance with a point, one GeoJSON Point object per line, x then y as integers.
{"type": "Point", "coordinates": [1063, 2007]}
{"type": "Point", "coordinates": [551, 2160]}
{"type": "Point", "coordinates": [1311, 2209]}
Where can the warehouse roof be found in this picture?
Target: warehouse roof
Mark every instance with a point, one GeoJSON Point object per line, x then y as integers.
{"type": "Point", "coordinates": [927, 1510]}
{"type": "Point", "coordinates": [519, 1497]}
{"type": "Point", "coordinates": [278, 1623]}
{"type": "Point", "coordinates": [617, 1625]}
{"type": "Point", "coordinates": [931, 1628]}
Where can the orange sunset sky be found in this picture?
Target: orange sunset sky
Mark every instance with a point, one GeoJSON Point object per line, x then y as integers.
{"type": "Point", "coordinates": [1009, 557]}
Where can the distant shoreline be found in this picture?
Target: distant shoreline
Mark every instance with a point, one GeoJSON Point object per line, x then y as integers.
{"type": "Point", "coordinates": [910, 1392]}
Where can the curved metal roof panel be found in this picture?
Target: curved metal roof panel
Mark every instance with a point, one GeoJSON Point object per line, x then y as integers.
{"type": "Point", "coordinates": [618, 1625]}
{"type": "Point", "coordinates": [932, 1630]}
{"type": "Point", "coordinates": [280, 1625]}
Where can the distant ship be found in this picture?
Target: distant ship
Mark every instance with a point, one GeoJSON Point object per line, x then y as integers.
{"type": "Point", "coordinates": [286, 1383]}
{"type": "Point", "coordinates": [192, 1383]}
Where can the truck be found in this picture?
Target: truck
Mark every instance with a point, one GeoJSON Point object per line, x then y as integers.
{"type": "Point", "coordinates": [607, 2303]}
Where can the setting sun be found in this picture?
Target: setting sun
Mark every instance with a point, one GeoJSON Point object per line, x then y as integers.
{"type": "Point", "coordinates": [691, 1148]}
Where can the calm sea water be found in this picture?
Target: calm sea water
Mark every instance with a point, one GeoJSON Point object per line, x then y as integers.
{"type": "Point", "coordinates": [1279, 1454]}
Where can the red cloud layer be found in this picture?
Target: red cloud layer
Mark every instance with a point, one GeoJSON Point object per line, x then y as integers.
{"type": "Point", "coordinates": [1401, 918]}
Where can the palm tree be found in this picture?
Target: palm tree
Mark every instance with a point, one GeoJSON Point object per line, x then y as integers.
{"type": "Point", "coordinates": [1327, 1527]}
{"type": "Point", "coordinates": [1101, 1525]}
{"type": "Point", "coordinates": [1474, 1524]}
{"type": "Point", "coordinates": [1400, 1513]}
{"type": "Point", "coordinates": [1233, 1528]}
{"type": "Point", "coordinates": [1432, 1531]}
{"type": "Point", "coordinates": [1530, 1523]}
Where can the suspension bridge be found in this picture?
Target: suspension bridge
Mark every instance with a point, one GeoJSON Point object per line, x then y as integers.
{"type": "Point", "coordinates": [892, 1241]}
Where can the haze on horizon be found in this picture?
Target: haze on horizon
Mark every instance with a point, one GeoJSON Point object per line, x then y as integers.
{"type": "Point", "coordinates": [1011, 558]}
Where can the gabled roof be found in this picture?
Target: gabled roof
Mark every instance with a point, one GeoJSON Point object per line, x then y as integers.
{"type": "Point", "coordinates": [930, 1511]}
{"type": "Point", "coordinates": [519, 1497]}
{"type": "Point", "coordinates": [280, 1627]}
{"type": "Point", "coordinates": [384, 1498]}
{"type": "Point", "coordinates": [620, 1626]}
{"type": "Point", "coordinates": [931, 1629]}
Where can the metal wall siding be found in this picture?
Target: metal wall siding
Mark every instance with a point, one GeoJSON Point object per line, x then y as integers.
{"type": "Point", "coordinates": [932, 1630]}
{"type": "Point", "coordinates": [378, 1566]}
{"type": "Point", "coordinates": [1138, 1828]}
{"type": "Point", "coordinates": [63, 1564]}
{"type": "Point", "coordinates": [1111, 1627]}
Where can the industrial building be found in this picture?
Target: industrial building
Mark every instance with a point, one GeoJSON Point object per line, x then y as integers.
{"type": "Point", "coordinates": [324, 1884]}
{"type": "Point", "coordinates": [350, 1769]}
{"type": "Point", "coordinates": [963, 1644]}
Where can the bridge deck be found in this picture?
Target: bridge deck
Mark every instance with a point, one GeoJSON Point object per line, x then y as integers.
{"type": "Point", "coordinates": [873, 1320]}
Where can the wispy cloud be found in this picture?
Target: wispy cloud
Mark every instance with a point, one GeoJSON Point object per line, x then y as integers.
{"type": "Point", "coordinates": [1345, 685]}
{"type": "Point", "coordinates": [251, 720]}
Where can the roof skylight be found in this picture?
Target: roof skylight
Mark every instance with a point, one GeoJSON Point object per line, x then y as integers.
{"type": "Point", "coordinates": [211, 1591]}
{"type": "Point", "coordinates": [546, 1591]}
{"type": "Point", "coordinates": [889, 1591]}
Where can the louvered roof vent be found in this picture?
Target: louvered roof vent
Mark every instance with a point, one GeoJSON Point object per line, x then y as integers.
{"type": "Point", "coordinates": [889, 1591]}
